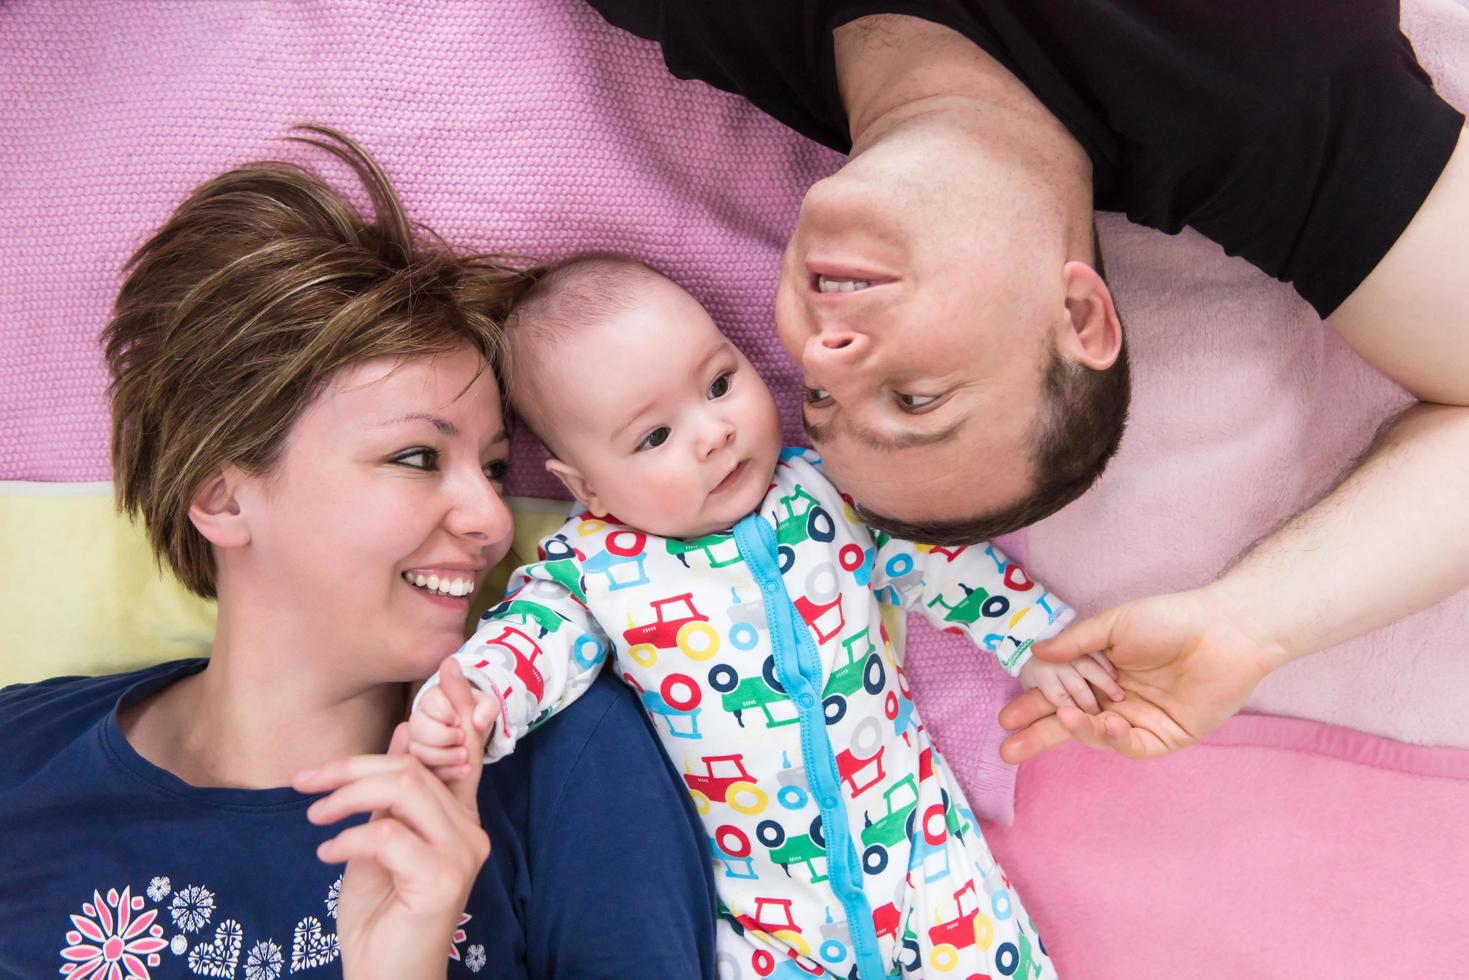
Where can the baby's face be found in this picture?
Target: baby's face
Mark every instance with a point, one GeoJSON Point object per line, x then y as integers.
{"type": "Point", "coordinates": [660, 419]}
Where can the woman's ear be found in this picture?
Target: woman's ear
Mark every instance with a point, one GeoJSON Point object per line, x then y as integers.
{"type": "Point", "coordinates": [215, 510]}
{"type": "Point", "coordinates": [572, 479]}
{"type": "Point", "coordinates": [1091, 334]}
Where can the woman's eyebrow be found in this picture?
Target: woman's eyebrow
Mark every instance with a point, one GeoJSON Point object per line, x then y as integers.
{"type": "Point", "coordinates": [444, 426]}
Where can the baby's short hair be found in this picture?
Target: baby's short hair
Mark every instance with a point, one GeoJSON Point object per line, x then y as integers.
{"type": "Point", "coordinates": [564, 297]}
{"type": "Point", "coordinates": [577, 291]}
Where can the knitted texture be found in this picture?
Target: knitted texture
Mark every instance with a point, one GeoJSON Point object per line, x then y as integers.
{"type": "Point", "coordinates": [522, 126]}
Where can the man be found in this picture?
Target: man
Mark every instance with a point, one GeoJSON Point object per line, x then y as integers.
{"type": "Point", "coordinates": [943, 293]}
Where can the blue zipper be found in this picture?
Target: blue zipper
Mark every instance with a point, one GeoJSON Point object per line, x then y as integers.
{"type": "Point", "coordinates": [798, 668]}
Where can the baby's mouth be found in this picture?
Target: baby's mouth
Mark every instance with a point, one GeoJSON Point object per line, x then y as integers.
{"type": "Point", "coordinates": [732, 477]}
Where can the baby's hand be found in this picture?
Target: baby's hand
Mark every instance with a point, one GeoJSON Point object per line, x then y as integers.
{"type": "Point", "coordinates": [1072, 683]}
{"type": "Point", "coordinates": [436, 729]}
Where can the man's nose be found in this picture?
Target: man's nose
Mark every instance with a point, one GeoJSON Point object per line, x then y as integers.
{"type": "Point", "coordinates": [833, 348]}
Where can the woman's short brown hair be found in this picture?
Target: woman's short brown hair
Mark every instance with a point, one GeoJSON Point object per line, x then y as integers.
{"type": "Point", "coordinates": [261, 286]}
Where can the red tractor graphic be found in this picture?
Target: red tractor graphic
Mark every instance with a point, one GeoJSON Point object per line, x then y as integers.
{"type": "Point", "coordinates": [677, 623]}
{"type": "Point", "coordinates": [526, 652]}
{"type": "Point", "coordinates": [725, 779]}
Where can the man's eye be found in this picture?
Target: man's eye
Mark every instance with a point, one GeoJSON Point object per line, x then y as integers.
{"type": "Point", "coordinates": [817, 396]}
{"type": "Point", "coordinates": [496, 469]}
{"type": "Point", "coordinates": [655, 438]}
{"type": "Point", "coordinates": [720, 387]}
{"type": "Point", "coordinates": [418, 459]}
{"type": "Point", "coordinates": [916, 401]}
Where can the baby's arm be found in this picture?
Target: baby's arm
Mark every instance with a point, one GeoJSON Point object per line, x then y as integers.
{"type": "Point", "coordinates": [531, 655]}
{"type": "Point", "coordinates": [979, 591]}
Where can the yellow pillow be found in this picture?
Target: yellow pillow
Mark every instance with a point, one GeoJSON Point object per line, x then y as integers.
{"type": "Point", "coordinates": [80, 592]}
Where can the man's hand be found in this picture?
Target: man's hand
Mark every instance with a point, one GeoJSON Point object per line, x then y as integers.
{"type": "Point", "coordinates": [1186, 661]}
{"type": "Point", "coordinates": [411, 866]}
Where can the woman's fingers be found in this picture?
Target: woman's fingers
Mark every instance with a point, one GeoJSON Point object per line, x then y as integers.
{"type": "Point", "coordinates": [409, 793]}
{"type": "Point", "coordinates": [437, 758]}
{"type": "Point", "coordinates": [408, 857]}
{"type": "Point", "coordinates": [341, 771]}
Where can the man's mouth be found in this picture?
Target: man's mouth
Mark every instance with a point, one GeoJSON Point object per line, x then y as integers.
{"type": "Point", "coordinates": [830, 284]}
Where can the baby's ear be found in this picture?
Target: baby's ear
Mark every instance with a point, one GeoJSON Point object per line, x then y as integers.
{"type": "Point", "coordinates": [572, 479]}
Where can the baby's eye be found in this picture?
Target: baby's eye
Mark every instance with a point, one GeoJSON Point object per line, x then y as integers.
{"type": "Point", "coordinates": [421, 458]}
{"type": "Point", "coordinates": [815, 396]}
{"type": "Point", "coordinates": [720, 387]}
{"type": "Point", "coordinates": [916, 401]}
{"type": "Point", "coordinates": [655, 438]}
{"type": "Point", "coordinates": [496, 469]}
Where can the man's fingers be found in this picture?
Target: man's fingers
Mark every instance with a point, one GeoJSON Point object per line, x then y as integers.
{"type": "Point", "coordinates": [1078, 639]}
{"type": "Point", "coordinates": [1038, 737]}
{"type": "Point", "coordinates": [1026, 709]}
{"type": "Point", "coordinates": [1114, 732]}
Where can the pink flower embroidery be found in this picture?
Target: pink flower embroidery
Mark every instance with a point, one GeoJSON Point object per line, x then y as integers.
{"type": "Point", "coordinates": [119, 942]}
{"type": "Point", "coordinates": [459, 936]}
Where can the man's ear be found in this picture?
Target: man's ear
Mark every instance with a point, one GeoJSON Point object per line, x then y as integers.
{"type": "Point", "coordinates": [572, 479]}
{"type": "Point", "coordinates": [215, 510]}
{"type": "Point", "coordinates": [1091, 334]}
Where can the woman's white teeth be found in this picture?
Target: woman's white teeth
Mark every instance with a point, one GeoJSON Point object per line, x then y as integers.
{"type": "Point", "coordinates": [829, 285]}
{"type": "Point", "coordinates": [443, 586]}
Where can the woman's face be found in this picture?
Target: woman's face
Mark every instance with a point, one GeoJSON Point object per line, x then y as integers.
{"type": "Point", "coordinates": [390, 478]}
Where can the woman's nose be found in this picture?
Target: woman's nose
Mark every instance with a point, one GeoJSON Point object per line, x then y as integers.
{"type": "Point", "coordinates": [479, 512]}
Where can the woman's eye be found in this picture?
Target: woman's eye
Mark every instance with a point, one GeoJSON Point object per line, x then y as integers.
{"type": "Point", "coordinates": [815, 396]}
{"type": "Point", "coordinates": [418, 459]}
{"type": "Point", "coordinates": [496, 469]}
{"type": "Point", "coordinates": [916, 401]}
{"type": "Point", "coordinates": [720, 387]}
{"type": "Point", "coordinates": [655, 438]}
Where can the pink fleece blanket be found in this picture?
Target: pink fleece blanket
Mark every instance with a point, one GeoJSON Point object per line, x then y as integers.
{"type": "Point", "coordinates": [530, 126]}
{"type": "Point", "coordinates": [1345, 857]}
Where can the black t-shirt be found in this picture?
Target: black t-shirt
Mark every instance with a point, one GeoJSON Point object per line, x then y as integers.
{"type": "Point", "coordinates": [1301, 135]}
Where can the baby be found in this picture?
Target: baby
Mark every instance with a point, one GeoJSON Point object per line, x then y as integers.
{"type": "Point", "coordinates": [737, 591]}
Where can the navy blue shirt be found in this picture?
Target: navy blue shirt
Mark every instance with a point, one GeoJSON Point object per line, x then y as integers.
{"type": "Point", "coordinates": [598, 865]}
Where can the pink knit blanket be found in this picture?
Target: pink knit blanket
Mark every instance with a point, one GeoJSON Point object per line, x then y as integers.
{"type": "Point", "coordinates": [530, 126]}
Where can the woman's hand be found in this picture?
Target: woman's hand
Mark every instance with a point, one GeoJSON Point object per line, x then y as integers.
{"type": "Point", "coordinates": [1186, 661]}
{"type": "Point", "coordinates": [410, 867]}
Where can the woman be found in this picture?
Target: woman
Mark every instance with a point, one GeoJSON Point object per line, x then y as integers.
{"type": "Point", "coordinates": [307, 421]}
